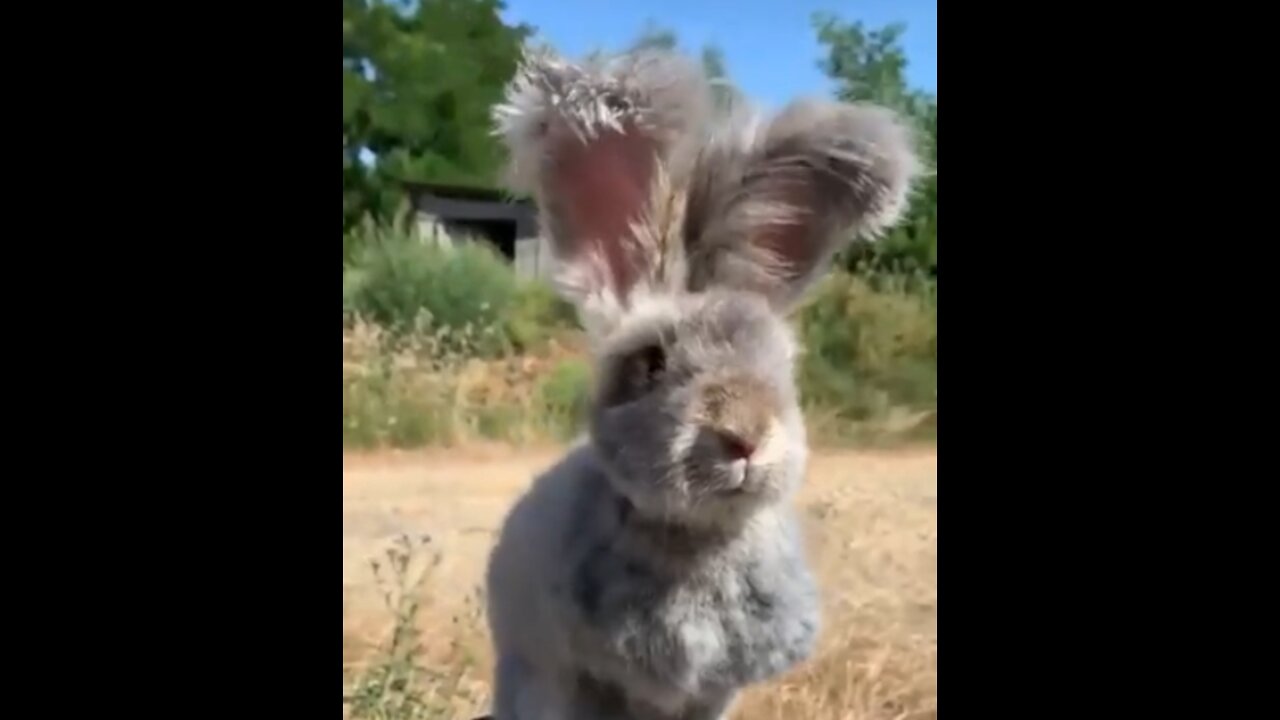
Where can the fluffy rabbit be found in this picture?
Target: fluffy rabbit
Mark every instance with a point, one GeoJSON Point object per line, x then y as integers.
{"type": "Point", "coordinates": [658, 569]}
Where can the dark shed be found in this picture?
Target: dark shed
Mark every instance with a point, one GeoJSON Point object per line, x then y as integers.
{"type": "Point", "coordinates": [509, 224]}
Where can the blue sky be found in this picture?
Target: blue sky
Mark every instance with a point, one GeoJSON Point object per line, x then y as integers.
{"type": "Point", "coordinates": [769, 46]}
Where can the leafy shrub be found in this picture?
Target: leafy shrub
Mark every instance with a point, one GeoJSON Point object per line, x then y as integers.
{"type": "Point", "coordinates": [404, 283]}
{"type": "Point", "coordinates": [408, 284]}
{"type": "Point", "coordinates": [564, 396]}
{"type": "Point", "coordinates": [538, 314]}
{"type": "Point", "coordinates": [870, 351]}
{"type": "Point", "coordinates": [443, 345]}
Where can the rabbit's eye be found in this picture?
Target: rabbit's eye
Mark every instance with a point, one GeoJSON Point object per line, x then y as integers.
{"type": "Point", "coordinates": [646, 367]}
{"type": "Point", "coordinates": [616, 103]}
{"type": "Point", "coordinates": [638, 374]}
{"type": "Point", "coordinates": [650, 363]}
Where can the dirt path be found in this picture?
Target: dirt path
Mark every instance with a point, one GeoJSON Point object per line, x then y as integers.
{"type": "Point", "coordinates": [872, 522]}
{"type": "Point", "coordinates": [882, 502]}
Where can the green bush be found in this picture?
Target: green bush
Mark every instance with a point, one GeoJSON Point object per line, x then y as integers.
{"type": "Point", "coordinates": [538, 314]}
{"type": "Point", "coordinates": [404, 283]}
{"type": "Point", "coordinates": [445, 345]}
{"type": "Point", "coordinates": [564, 396]}
{"type": "Point", "coordinates": [870, 353]}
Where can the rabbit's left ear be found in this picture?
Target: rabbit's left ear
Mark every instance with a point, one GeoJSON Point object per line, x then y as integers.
{"type": "Point", "coordinates": [593, 143]}
{"type": "Point", "coordinates": [771, 203]}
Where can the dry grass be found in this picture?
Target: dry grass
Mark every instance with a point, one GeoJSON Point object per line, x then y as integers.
{"type": "Point", "coordinates": [430, 388]}
{"type": "Point", "coordinates": [872, 524]}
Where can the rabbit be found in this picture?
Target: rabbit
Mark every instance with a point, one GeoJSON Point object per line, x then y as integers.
{"type": "Point", "coordinates": [658, 569]}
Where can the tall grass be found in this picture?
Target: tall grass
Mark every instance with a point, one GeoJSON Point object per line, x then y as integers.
{"type": "Point", "coordinates": [445, 345]}
{"type": "Point", "coordinates": [419, 389]}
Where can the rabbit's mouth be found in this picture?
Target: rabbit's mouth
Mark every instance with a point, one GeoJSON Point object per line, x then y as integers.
{"type": "Point", "coordinates": [735, 491]}
{"type": "Point", "coordinates": [731, 465]}
{"type": "Point", "coordinates": [733, 478]}
{"type": "Point", "coordinates": [739, 478]}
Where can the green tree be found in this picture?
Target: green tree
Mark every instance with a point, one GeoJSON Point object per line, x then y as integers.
{"type": "Point", "coordinates": [869, 65]}
{"type": "Point", "coordinates": [418, 80]}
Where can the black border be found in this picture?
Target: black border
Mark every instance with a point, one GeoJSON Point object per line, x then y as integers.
{"type": "Point", "coordinates": [1062, 551]}
{"type": "Point", "coordinates": [219, 589]}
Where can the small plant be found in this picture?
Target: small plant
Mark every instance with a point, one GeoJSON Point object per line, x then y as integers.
{"type": "Point", "coordinates": [395, 686]}
{"type": "Point", "coordinates": [405, 679]}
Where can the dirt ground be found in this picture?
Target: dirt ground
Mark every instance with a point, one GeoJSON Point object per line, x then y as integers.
{"type": "Point", "coordinates": [872, 526]}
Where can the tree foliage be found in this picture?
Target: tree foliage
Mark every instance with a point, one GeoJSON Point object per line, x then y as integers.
{"type": "Point", "coordinates": [869, 65]}
{"type": "Point", "coordinates": [418, 79]}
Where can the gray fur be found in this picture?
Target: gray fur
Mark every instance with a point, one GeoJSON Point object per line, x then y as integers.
{"type": "Point", "coordinates": [608, 613]}
{"type": "Point", "coordinates": [657, 569]}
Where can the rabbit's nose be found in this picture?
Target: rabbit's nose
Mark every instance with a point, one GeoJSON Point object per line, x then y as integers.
{"type": "Point", "coordinates": [737, 446]}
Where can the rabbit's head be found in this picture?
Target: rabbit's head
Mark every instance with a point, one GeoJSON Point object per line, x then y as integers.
{"type": "Point", "coordinates": [685, 236]}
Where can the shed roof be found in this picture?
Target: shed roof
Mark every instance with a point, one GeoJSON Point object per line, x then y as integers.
{"type": "Point", "coordinates": [464, 192]}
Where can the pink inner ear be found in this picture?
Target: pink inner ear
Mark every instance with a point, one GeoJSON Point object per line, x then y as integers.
{"type": "Point", "coordinates": [791, 242]}
{"type": "Point", "coordinates": [604, 184]}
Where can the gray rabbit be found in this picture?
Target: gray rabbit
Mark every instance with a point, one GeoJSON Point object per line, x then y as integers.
{"type": "Point", "coordinates": [658, 569]}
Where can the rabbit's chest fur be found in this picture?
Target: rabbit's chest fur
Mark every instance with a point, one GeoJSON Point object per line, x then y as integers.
{"type": "Point", "coordinates": [679, 612]}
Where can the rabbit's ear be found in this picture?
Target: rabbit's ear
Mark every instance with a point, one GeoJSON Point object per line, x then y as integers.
{"type": "Point", "coordinates": [770, 204]}
{"type": "Point", "coordinates": [593, 143]}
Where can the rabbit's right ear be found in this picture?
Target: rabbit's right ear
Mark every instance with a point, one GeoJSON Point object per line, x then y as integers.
{"type": "Point", "coordinates": [593, 144]}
